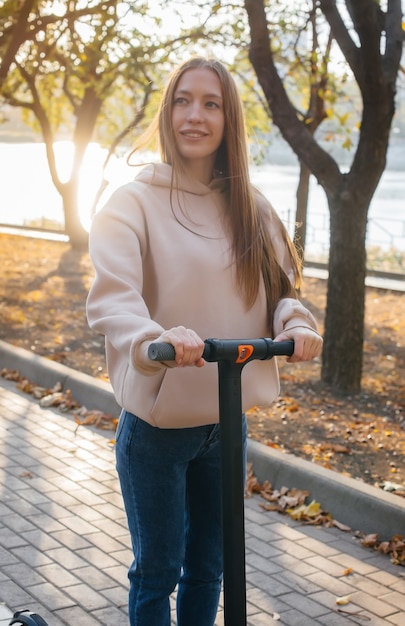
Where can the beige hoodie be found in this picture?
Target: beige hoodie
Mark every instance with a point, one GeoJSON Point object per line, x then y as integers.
{"type": "Point", "coordinates": [164, 260]}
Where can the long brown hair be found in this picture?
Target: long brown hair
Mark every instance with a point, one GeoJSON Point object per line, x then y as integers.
{"type": "Point", "coordinates": [252, 246]}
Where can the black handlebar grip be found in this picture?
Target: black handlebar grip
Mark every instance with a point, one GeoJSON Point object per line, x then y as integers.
{"type": "Point", "coordinates": [161, 351]}
{"type": "Point", "coordinates": [282, 348]}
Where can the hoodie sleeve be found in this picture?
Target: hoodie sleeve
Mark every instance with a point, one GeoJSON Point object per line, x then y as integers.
{"type": "Point", "coordinates": [115, 305]}
{"type": "Point", "coordinates": [289, 313]}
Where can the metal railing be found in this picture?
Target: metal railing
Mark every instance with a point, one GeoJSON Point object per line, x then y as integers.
{"type": "Point", "coordinates": [385, 242]}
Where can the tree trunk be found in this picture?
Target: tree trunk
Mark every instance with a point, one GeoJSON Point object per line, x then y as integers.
{"type": "Point", "coordinates": [342, 354]}
{"type": "Point", "coordinates": [86, 116]}
{"type": "Point", "coordinates": [300, 231]}
{"type": "Point", "coordinates": [78, 236]}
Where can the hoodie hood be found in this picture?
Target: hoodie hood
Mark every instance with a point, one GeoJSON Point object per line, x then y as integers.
{"type": "Point", "coordinates": [161, 175]}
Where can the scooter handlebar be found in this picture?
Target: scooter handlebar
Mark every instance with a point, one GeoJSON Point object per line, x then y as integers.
{"type": "Point", "coordinates": [240, 351]}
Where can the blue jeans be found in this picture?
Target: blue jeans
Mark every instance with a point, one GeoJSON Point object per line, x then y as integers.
{"type": "Point", "coordinates": [170, 481]}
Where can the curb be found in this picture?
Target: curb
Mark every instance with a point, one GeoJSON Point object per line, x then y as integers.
{"type": "Point", "coordinates": [352, 502]}
{"type": "Point", "coordinates": [85, 389]}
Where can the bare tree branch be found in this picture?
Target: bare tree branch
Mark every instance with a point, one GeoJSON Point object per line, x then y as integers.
{"type": "Point", "coordinates": [395, 37]}
{"type": "Point", "coordinates": [341, 35]}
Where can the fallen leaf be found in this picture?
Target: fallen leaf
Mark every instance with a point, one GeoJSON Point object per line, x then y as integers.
{"type": "Point", "coordinates": [52, 399]}
{"type": "Point", "coordinates": [342, 600]}
{"type": "Point", "coordinates": [341, 526]}
{"type": "Point", "coordinates": [369, 540]}
{"type": "Point", "coordinates": [26, 474]}
{"type": "Point", "coordinates": [271, 444]}
{"type": "Point", "coordinates": [305, 511]}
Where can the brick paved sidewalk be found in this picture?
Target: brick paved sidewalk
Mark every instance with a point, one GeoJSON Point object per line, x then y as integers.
{"type": "Point", "coordinates": [65, 549]}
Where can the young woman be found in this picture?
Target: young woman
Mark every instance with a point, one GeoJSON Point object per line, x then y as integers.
{"type": "Point", "coordinates": [187, 251]}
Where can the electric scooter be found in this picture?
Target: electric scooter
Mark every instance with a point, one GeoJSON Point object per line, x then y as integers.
{"type": "Point", "coordinates": [231, 355]}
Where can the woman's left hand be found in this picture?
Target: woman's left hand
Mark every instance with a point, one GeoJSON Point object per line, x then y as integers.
{"type": "Point", "coordinates": [307, 343]}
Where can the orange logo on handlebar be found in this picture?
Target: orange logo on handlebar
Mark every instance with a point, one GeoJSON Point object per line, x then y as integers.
{"type": "Point", "coordinates": [244, 353]}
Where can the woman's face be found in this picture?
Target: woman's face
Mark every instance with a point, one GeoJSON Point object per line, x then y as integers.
{"type": "Point", "coordinates": [198, 120]}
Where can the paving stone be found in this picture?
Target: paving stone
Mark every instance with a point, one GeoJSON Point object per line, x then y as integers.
{"type": "Point", "coordinates": [336, 619]}
{"type": "Point", "coordinates": [40, 539]}
{"type": "Point", "coordinates": [117, 596]}
{"type": "Point", "coordinates": [53, 511]}
{"type": "Point", "coordinates": [22, 574]}
{"type": "Point", "coordinates": [326, 565]}
{"type": "Point", "coordinates": [6, 558]}
{"type": "Point", "coordinates": [388, 579]}
{"type": "Point", "coordinates": [336, 586]}
{"type": "Point", "coordinates": [377, 606]}
{"type": "Point", "coordinates": [110, 615]}
{"type": "Point", "coordinates": [265, 534]}
{"type": "Point", "coordinates": [86, 597]}
{"type": "Point", "coordinates": [18, 523]}
{"type": "Point", "coordinates": [77, 615]}
{"type": "Point", "coordinates": [58, 575]}
{"type": "Point", "coordinates": [62, 498]}
{"type": "Point", "coordinates": [288, 561]}
{"type": "Point", "coordinates": [317, 546]}
{"type": "Point", "coordinates": [268, 584]}
{"type": "Point", "coordinates": [85, 512]}
{"type": "Point", "coordinates": [305, 605]}
{"type": "Point", "coordinates": [380, 561]}
{"type": "Point", "coordinates": [115, 500]}
{"type": "Point", "coordinates": [51, 596]}
{"type": "Point", "coordinates": [108, 510]}
{"type": "Point", "coordinates": [296, 618]}
{"type": "Point", "coordinates": [395, 598]}
{"type": "Point", "coordinates": [399, 586]}
{"type": "Point", "coordinates": [349, 561]}
{"type": "Point", "coordinates": [262, 600]}
{"type": "Point", "coordinates": [13, 594]}
{"type": "Point", "coordinates": [327, 599]}
{"type": "Point", "coordinates": [116, 528]}
{"type": "Point", "coordinates": [30, 555]}
{"type": "Point", "coordinates": [97, 579]}
{"type": "Point", "coordinates": [125, 557]}
{"type": "Point", "coordinates": [118, 573]}
{"type": "Point", "coordinates": [4, 510]}
{"type": "Point", "coordinates": [33, 496]}
{"type": "Point", "coordinates": [283, 530]}
{"type": "Point", "coordinates": [262, 564]}
{"type": "Point", "coordinates": [265, 549]}
{"type": "Point", "coordinates": [10, 539]}
{"type": "Point", "coordinates": [96, 487]}
{"type": "Point", "coordinates": [97, 557]}
{"type": "Point", "coordinates": [296, 581]}
{"type": "Point", "coordinates": [397, 619]}
{"type": "Point", "coordinates": [104, 542]}
{"type": "Point", "coordinates": [259, 619]}
{"type": "Point", "coordinates": [78, 525]}
{"type": "Point", "coordinates": [70, 539]}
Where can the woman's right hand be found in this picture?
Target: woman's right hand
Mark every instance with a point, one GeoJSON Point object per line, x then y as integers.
{"type": "Point", "coordinates": [187, 344]}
